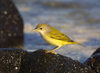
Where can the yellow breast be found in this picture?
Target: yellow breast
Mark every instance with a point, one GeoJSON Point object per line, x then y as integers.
{"type": "Point", "coordinates": [52, 41]}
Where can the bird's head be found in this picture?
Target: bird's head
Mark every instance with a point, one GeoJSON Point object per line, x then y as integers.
{"type": "Point", "coordinates": [43, 27]}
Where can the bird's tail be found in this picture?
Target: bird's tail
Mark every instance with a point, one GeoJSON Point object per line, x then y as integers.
{"type": "Point", "coordinates": [76, 43]}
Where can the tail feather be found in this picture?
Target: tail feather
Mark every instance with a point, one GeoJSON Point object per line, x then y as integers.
{"type": "Point", "coordinates": [76, 43]}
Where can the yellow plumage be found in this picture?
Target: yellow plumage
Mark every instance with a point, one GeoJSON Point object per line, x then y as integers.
{"type": "Point", "coordinates": [53, 36]}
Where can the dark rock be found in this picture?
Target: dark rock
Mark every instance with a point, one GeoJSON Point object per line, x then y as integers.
{"type": "Point", "coordinates": [11, 25]}
{"type": "Point", "coordinates": [94, 61]}
{"type": "Point", "coordinates": [96, 52]}
{"type": "Point", "coordinates": [41, 62]}
{"type": "Point", "coordinates": [10, 60]}
{"type": "Point", "coordinates": [19, 61]}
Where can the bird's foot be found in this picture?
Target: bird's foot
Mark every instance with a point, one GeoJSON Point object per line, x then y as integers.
{"type": "Point", "coordinates": [50, 51]}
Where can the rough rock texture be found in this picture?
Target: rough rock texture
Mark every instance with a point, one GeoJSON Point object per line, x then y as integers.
{"type": "Point", "coordinates": [19, 61]}
{"type": "Point", "coordinates": [94, 61]}
{"type": "Point", "coordinates": [11, 25]}
{"type": "Point", "coordinates": [10, 60]}
{"type": "Point", "coordinates": [41, 62]}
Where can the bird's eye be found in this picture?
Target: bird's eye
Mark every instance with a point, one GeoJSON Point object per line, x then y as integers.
{"type": "Point", "coordinates": [41, 28]}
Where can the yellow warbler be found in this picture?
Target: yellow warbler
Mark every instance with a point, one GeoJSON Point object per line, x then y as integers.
{"type": "Point", "coordinates": [53, 36]}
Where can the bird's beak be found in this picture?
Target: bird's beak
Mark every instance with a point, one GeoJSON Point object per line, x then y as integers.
{"type": "Point", "coordinates": [33, 30]}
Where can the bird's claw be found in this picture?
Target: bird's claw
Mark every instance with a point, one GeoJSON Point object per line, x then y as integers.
{"type": "Point", "coordinates": [50, 51]}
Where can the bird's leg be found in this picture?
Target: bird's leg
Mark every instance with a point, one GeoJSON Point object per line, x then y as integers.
{"type": "Point", "coordinates": [52, 51]}
{"type": "Point", "coordinates": [55, 48]}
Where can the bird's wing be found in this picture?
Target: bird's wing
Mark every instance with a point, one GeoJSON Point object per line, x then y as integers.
{"type": "Point", "coordinates": [59, 36]}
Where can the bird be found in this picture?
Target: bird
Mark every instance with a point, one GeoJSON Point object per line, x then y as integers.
{"type": "Point", "coordinates": [53, 36]}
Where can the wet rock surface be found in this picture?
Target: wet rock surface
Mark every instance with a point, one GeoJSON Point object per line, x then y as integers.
{"type": "Point", "coordinates": [94, 61]}
{"type": "Point", "coordinates": [11, 24]}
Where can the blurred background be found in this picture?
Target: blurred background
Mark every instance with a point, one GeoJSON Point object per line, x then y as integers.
{"type": "Point", "coordinates": [79, 19]}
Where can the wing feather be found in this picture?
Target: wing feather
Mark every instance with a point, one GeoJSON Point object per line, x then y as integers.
{"type": "Point", "coordinates": [59, 36]}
